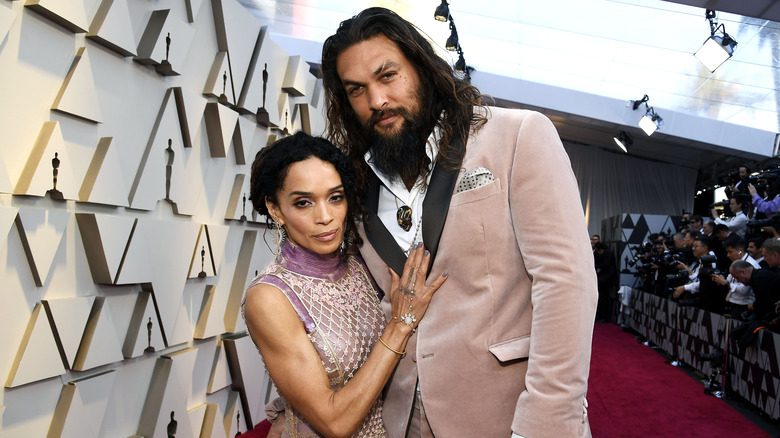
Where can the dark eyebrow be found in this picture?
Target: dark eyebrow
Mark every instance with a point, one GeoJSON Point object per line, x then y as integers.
{"type": "Point", "coordinates": [382, 67]}
{"type": "Point", "coordinates": [298, 193]}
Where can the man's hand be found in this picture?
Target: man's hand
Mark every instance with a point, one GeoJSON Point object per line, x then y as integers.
{"type": "Point", "coordinates": [719, 279]}
{"type": "Point", "coordinates": [752, 189]}
{"type": "Point", "coordinates": [678, 291]}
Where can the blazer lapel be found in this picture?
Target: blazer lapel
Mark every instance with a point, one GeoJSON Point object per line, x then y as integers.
{"type": "Point", "coordinates": [435, 207]}
{"type": "Point", "coordinates": [376, 232]}
{"type": "Point", "coordinates": [437, 199]}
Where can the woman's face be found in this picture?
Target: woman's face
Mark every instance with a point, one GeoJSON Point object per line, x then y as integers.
{"type": "Point", "coordinates": [312, 206]}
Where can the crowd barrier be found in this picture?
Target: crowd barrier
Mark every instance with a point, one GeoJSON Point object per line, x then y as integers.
{"type": "Point", "coordinates": [686, 333]}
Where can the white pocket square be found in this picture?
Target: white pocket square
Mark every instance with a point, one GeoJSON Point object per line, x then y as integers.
{"type": "Point", "coordinates": [475, 178]}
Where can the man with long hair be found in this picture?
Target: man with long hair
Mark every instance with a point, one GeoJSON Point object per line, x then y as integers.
{"type": "Point", "coordinates": [505, 346]}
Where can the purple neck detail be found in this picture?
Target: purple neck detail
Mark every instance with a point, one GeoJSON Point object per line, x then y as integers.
{"type": "Point", "coordinates": [303, 261]}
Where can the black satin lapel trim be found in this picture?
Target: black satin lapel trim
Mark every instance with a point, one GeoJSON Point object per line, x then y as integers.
{"type": "Point", "coordinates": [376, 232]}
{"type": "Point", "coordinates": [437, 199]}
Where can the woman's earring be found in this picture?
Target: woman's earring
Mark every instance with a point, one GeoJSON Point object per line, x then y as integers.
{"type": "Point", "coordinates": [278, 238]}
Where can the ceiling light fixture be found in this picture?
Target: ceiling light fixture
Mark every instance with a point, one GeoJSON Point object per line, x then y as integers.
{"type": "Point", "coordinates": [452, 41]}
{"type": "Point", "coordinates": [624, 140]}
{"type": "Point", "coordinates": [651, 121]}
{"type": "Point", "coordinates": [718, 47]}
{"type": "Point", "coordinates": [442, 11]}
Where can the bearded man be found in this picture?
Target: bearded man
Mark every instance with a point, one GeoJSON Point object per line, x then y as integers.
{"type": "Point", "coordinates": [504, 348]}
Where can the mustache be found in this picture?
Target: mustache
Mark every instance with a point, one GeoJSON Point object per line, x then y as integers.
{"type": "Point", "coordinates": [381, 114]}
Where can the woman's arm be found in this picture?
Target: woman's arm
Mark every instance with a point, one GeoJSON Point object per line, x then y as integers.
{"type": "Point", "coordinates": [295, 366]}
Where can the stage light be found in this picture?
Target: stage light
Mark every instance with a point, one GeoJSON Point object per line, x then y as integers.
{"type": "Point", "coordinates": [442, 11]}
{"type": "Point", "coordinates": [650, 122]}
{"type": "Point", "coordinates": [452, 41]}
{"type": "Point", "coordinates": [460, 65]}
{"type": "Point", "coordinates": [718, 47]}
{"type": "Point", "coordinates": [624, 140]}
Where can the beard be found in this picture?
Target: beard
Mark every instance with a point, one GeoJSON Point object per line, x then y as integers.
{"type": "Point", "coordinates": [400, 155]}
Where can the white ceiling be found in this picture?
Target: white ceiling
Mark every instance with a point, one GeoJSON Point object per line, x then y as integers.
{"type": "Point", "coordinates": [591, 56]}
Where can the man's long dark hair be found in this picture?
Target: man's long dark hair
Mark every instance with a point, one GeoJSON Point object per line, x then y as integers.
{"type": "Point", "coordinates": [444, 94]}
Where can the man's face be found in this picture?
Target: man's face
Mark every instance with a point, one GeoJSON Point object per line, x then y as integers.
{"type": "Point", "coordinates": [699, 249]}
{"type": "Point", "coordinates": [733, 254]}
{"type": "Point", "coordinates": [742, 276]}
{"type": "Point", "coordinates": [753, 250]}
{"type": "Point", "coordinates": [708, 228]}
{"type": "Point", "coordinates": [743, 172]}
{"type": "Point", "coordinates": [735, 207]}
{"type": "Point", "coordinates": [771, 258]}
{"type": "Point", "coordinates": [594, 240]}
{"type": "Point", "coordinates": [695, 225]}
{"type": "Point", "coordinates": [688, 240]}
{"type": "Point", "coordinates": [380, 83]}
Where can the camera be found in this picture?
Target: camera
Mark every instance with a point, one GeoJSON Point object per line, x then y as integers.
{"type": "Point", "coordinates": [715, 358]}
{"type": "Point", "coordinates": [720, 204]}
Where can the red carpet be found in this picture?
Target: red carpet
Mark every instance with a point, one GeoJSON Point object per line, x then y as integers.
{"type": "Point", "coordinates": [633, 392]}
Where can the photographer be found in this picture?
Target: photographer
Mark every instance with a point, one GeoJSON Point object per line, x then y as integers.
{"type": "Point", "coordinates": [738, 296]}
{"type": "Point", "coordinates": [696, 223]}
{"type": "Point", "coordinates": [738, 181]}
{"type": "Point", "coordinates": [754, 249]}
{"type": "Point", "coordinates": [762, 205]}
{"type": "Point", "coordinates": [738, 223]}
{"type": "Point", "coordinates": [705, 261]}
{"type": "Point", "coordinates": [766, 287]}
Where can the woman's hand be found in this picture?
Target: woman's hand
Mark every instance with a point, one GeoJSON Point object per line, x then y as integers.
{"type": "Point", "coordinates": [409, 295]}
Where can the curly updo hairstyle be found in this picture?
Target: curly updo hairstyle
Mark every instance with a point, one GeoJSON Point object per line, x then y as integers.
{"type": "Point", "coordinates": [272, 163]}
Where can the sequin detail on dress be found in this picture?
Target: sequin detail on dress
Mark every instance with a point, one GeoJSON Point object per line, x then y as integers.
{"type": "Point", "coordinates": [340, 310]}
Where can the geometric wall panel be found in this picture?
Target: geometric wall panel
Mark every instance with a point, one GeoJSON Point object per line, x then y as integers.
{"type": "Point", "coordinates": [5, 180]}
{"type": "Point", "coordinates": [38, 174]}
{"type": "Point", "coordinates": [166, 401]}
{"type": "Point", "coordinates": [68, 14]}
{"type": "Point", "coordinates": [68, 318]}
{"type": "Point", "coordinates": [165, 265]}
{"type": "Point", "coordinates": [201, 265]}
{"type": "Point", "coordinates": [103, 183]}
{"type": "Point", "coordinates": [243, 137]}
{"type": "Point", "coordinates": [78, 95]}
{"type": "Point", "coordinates": [190, 107]}
{"type": "Point", "coordinates": [233, 211]}
{"type": "Point", "coordinates": [266, 82]}
{"type": "Point", "coordinates": [7, 17]}
{"type": "Point", "coordinates": [236, 33]}
{"type": "Point", "coordinates": [220, 374]}
{"type": "Point", "coordinates": [166, 37]}
{"type": "Point", "coordinates": [220, 125]}
{"type": "Point", "coordinates": [143, 334]}
{"type": "Point", "coordinates": [38, 357]}
{"type": "Point", "coordinates": [212, 422]}
{"type": "Point", "coordinates": [112, 28]}
{"type": "Point", "coordinates": [193, 7]}
{"type": "Point", "coordinates": [105, 238]}
{"type": "Point", "coordinates": [41, 232]}
{"type": "Point", "coordinates": [217, 238]}
{"type": "Point", "coordinates": [81, 401]}
{"type": "Point", "coordinates": [285, 115]}
{"type": "Point", "coordinates": [295, 77]}
{"type": "Point", "coordinates": [218, 83]}
{"type": "Point", "coordinates": [239, 280]}
{"type": "Point", "coordinates": [100, 344]}
{"type": "Point", "coordinates": [248, 374]}
{"type": "Point", "coordinates": [203, 316]}
{"type": "Point", "coordinates": [7, 220]}
{"type": "Point", "coordinates": [152, 182]}
{"type": "Point", "coordinates": [196, 416]}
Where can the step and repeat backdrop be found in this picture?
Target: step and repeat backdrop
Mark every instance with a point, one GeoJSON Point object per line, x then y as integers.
{"type": "Point", "coordinates": [126, 236]}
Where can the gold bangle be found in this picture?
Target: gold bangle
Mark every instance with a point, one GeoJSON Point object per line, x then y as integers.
{"type": "Point", "coordinates": [400, 353]}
